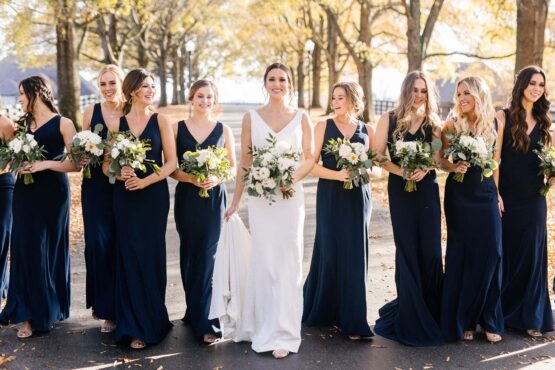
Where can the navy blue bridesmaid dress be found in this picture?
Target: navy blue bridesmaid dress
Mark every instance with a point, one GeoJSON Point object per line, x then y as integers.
{"type": "Point", "coordinates": [472, 283]}
{"type": "Point", "coordinates": [100, 235]}
{"type": "Point", "coordinates": [7, 183]}
{"type": "Point", "coordinates": [335, 289]}
{"type": "Point", "coordinates": [141, 219]}
{"type": "Point", "coordinates": [39, 289]}
{"type": "Point", "coordinates": [524, 293]}
{"type": "Point", "coordinates": [413, 317]}
{"type": "Point", "coordinates": [199, 223]}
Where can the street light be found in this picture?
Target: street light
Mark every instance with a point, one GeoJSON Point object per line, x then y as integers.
{"type": "Point", "coordinates": [190, 48]}
{"type": "Point", "coordinates": [309, 47]}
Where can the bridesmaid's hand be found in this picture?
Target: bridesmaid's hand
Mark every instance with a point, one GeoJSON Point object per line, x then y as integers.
{"type": "Point", "coordinates": [35, 167]}
{"type": "Point", "coordinates": [460, 167]}
{"type": "Point", "coordinates": [343, 175]}
{"type": "Point", "coordinates": [84, 162]}
{"type": "Point", "coordinates": [500, 204]}
{"type": "Point", "coordinates": [209, 183]}
{"type": "Point", "coordinates": [127, 173]}
{"type": "Point", "coordinates": [551, 181]}
{"type": "Point", "coordinates": [230, 211]}
{"type": "Point", "coordinates": [135, 183]}
{"type": "Point", "coordinates": [418, 175]}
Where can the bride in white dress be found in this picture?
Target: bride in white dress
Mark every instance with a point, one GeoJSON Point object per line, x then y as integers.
{"type": "Point", "coordinates": [273, 306]}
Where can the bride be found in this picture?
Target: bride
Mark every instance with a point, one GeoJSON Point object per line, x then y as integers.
{"type": "Point", "coordinates": [272, 310]}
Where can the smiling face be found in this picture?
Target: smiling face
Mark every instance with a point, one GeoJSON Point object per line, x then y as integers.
{"type": "Point", "coordinates": [146, 92]}
{"type": "Point", "coordinates": [467, 102]}
{"type": "Point", "coordinates": [340, 102]}
{"type": "Point", "coordinates": [419, 93]}
{"type": "Point", "coordinates": [110, 87]}
{"type": "Point", "coordinates": [23, 100]}
{"type": "Point", "coordinates": [204, 99]}
{"type": "Point", "coordinates": [277, 83]}
{"type": "Point", "coordinates": [535, 88]}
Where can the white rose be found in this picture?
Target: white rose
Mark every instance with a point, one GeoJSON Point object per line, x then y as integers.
{"type": "Point", "coordinates": [115, 153]}
{"type": "Point", "coordinates": [345, 151]}
{"type": "Point", "coordinates": [284, 163]}
{"type": "Point", "coordinates": [33, 143]}
{"type": "Point", "coordinates": [264, 173]}
{"type": "Point", "coordinates": [26, 148]}
{"type": "Point", "coordinates": [282, 147]}
{"type": "Point", "coordinates": [358, 147]}
{"type": "Point", "coordinates": [15, 145]}
{"type": "Point", "coordinates": [136, 164]}
{"type": "Point", "coordinates": [363, 156]}
{"type": "Point", "coordinates": [269, 183]}
{"type": "Point", "coordinates": [98, 152]}
{"type": "Point", "coordinates": [266, 158]}
{"type": "Point", "coordinates": [259, 189]}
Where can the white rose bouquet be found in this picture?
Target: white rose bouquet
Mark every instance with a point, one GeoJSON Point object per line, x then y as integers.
{"type": "Point", "coordinates": [352, 157]}
{"type": "Point", "coordinates": [126, 150]}
{"type": "Point", "coordinates": [204, 163]}
{"type": "Point", "coordinates": [21, 150]}
{"type": "Point", "coordinates": [272, 168]}
{"type": "Point", "coordinates": [547, 165]}
{"type": "Point", "coordinates": [86, 145]}
{"type": "Point", "coordinates": [413, 155]}
{"type": "Point", "coordinates": [474, 150]}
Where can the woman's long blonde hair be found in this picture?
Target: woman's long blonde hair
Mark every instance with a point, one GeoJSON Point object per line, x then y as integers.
{"type": "Point", "coordinates": [483, 108]}
{"type": "Point", "coordinates": [406, 99]}
{"type": "Point", "coordinates": [119, 75]}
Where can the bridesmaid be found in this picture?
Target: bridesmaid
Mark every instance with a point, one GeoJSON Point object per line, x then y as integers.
{"type": "Point", "coordinates": [39, 292]}
{"type": "Point", "coordinates": [199, 220]}
{"type": "Point", "coordinates": [524, 294]}
{"type": "Point", "coordinates": [141, 206]}
{"type": "Point", "coordinates": [335, 289]}
{"type": "Point", "coordinates": [97, 203]}
{"type": "Point", "coordinates": [7, 182]}
{"type": "Point", "coordinates": [472, 283]}
{"type": "Point", "coordinates": [413, 317]}
{"type": "Point", "coordinates": [273, 305]}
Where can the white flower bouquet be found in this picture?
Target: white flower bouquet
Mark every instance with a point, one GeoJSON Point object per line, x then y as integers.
{"type": "Point", "coordinates": [204, 163]}
{"type": "Point", "coordinates": [126, 150]}
{"type": "Point", "coordinates": [21, 150]}
{"type": "Point", "coordinates": [413, 155]}
{"type": "Point", "coordinates": [272, 170]}
{"type": "Point", "coordinates": [86, 145]}
{"type": "Point", "coordinates": [547, 165]}
{"type": "Point", "coordinates": [352, 157]}
{"type": "Point", "coordinates": [474, 150]}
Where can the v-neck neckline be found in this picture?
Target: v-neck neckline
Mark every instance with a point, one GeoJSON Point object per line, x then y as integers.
{"type": "Point", "coordinates": [144, 129]}
{"type": "Point", "coordinates": [342, 134]}
{"type": "Point", "coordinates": [44, 124]}
{"type": "Point", "coordinates": [271, 129]}
{"type": "Point", "coordinates": [206, 138]}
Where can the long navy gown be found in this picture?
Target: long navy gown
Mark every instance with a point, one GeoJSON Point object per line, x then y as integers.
{"type": "Point", "coordinates": [141, 219]}
{"type": "Point", "coordinates": [7, 183]}
{"type": "Point", "coordinates": [413, 317]}
{"type": "Point", "coordinates": [524, 294]}
{"type": "Point", "coordinates": [100, 235]}
{"type": "Point", "coordinates": [335, 289]}
{"type": "Point", "coordinates": [199, 223]}
{"type": "Point", "coordinates": [39, 288]}
{"type": "Point", "coordinates": [472, 283]}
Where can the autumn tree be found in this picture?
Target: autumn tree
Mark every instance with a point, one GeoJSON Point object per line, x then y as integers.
{"type": "Point", "coordinates": [531, 19]}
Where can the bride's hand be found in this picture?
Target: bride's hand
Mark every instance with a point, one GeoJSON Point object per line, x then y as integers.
{"type": "Point", "coordinates": [230, 211]}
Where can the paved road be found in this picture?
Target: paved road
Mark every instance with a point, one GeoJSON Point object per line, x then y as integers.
{"type": "Point", "coordinates": [77, 343]}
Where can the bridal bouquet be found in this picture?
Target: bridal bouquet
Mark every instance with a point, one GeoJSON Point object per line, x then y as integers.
{"type": "Point", "coordinates": [204, 163]}
{"type": "Point", "coordinates": [547, 165]}
{"type": "Point", "coordinates": [474, 150]}
{"type": "Point", "coordinates": [86, 145]}
{"type": "Point", "coordinates": [352, 157]}
{"type": "Point", "coordinates": [413, 155]}
{"type": "Point", "coordinates": [272, 169]}
{"type": "Point", "coordinates": [21, 150]}
{"type": "Point", "coordinates": [126, 150]}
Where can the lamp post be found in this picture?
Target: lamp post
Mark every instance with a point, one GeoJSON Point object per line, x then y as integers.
{"type": "Point", "coordinates": [309, 47]}
{"type": "Point", "coordinates": [190, 48]}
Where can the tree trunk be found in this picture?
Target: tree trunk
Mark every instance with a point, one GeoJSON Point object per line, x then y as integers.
{"type": "Point", "coordinates": [67, 63]}
{"type": "Point", "coordinates": [142, 47]}
{"type": "Point", "coordinates": [300, 80]}
{"type": "Point", "coordinates": [365, 80]}
{"type": "Point", "coordinates": [333, 76]}
{"type": "Point", "coordinates": [163, 76]}
{"type": "Point", "coordinates": [530, 18]}
{"type": "Point", "coordinates": [175, 77]}
{"type": "Point", "coordinates": [316, 76]}
{"type": "Point", "coordinates": [414, 46]}
{"type": "Point", "coordinates": [182, 85]}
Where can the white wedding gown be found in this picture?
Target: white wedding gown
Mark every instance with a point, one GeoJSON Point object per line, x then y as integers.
{"type": "Point", "coordinates": [274, 298]}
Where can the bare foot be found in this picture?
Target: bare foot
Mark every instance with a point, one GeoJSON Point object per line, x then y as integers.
{"type": "Point", "coordinates": [493, 338]}
{"type": "Point", "coordinates": [137, 344]}
{"type": "Point", "coordinates": [354, 337]}
{"type": "Point", "coordinates": [468, 335]}
{"type": "Point", "coordinates": [25, 331]}
{"type": "Point", "coordinates": [280, 353]}
{"type": "Point", "coordinates": [108, 326]}
{"type": "Point", "coordinates": [209, 338]}
{"type": "Point", "coordinates": [534, 333]}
